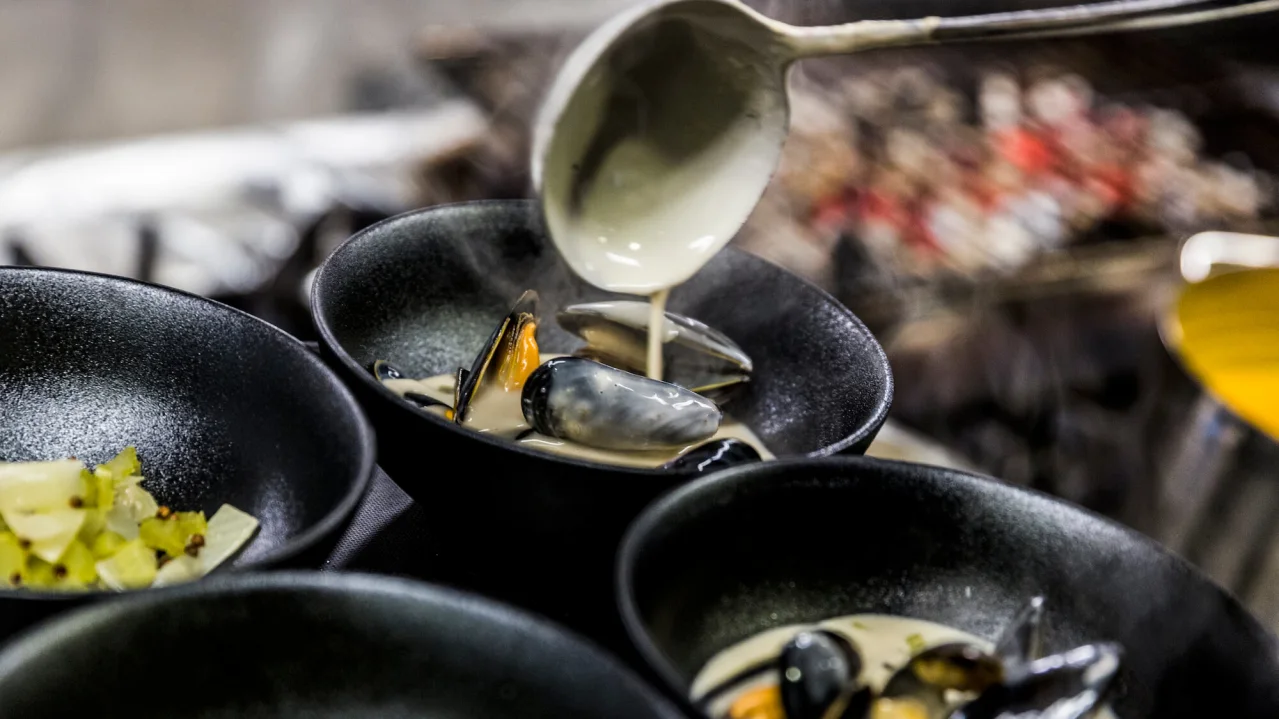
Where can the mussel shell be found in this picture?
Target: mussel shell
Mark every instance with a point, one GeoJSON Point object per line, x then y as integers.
{"type": "Point", "coordinates": [818, 676]}
{"type": "Point", "coordinates": [1022, 640]}
{"type": "Point", "coordinates": [713, 456]}
{"type": "Point", "coordinates": [522, 313]}
{"type": "Point", "coordinates": [959, 666]}
{"type": "Point", "coordinates": [1062, 686]}
{"type": "Point", "coordinates": [384, 370]}
{"type": "Point", "coordinates": [600, 406]}
{"type": "Point", "coordinates": [422, 400]}
{"type": "Point", "coordinates": [694, 354]}
{"type": "Point", "coordinates": [931, 673]}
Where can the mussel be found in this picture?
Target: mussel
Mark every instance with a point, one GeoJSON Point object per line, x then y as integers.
{"type": "Point", "coordinates": [411, 389]}
{"type": "Point", "coordinates": [1069, 685]}
{"type": "Point", "coordinates": [694, 355]}
{"type": "Point", "coordinates": [590, 403]}
{"type": "Point", "coordinates": [713, 456]}
{"type": "Point", "coordinates": [508, 358]}
{"type": "Point", "coordinates": [818, 673]}
{"type": "Point", "coordinates": [1022, 639]}
{"type": "Point", "coordinates": [384, 371]}
{"type": "Point", "coordinates": [934, 673]}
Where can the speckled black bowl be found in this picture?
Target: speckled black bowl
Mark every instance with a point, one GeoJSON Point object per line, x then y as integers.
{"type": "Point", "coordinates": [425, 291]}
{"type": "Point", "coordinates": [760, 546]}
{"type": "Point", "coordinates": [311, 646]}
{"type": "Point", "coordinates": [221, 406]}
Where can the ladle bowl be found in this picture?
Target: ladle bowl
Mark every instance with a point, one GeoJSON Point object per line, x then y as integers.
{"type": "Point", "coordinates": [662, 129]}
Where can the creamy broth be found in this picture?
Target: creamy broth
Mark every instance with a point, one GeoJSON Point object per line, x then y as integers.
{"type": "Point", "coordinates": [886, 643]}
{"type": "Point", "coordinates": [497, 412]}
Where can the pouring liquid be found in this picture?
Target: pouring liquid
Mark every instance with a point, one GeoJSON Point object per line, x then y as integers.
{"type": "Point", "coordinates": [656, 321]}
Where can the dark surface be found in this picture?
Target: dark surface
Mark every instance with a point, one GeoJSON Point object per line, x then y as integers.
{"type": "Point", "coordinates": [289, 645]}
{"type": "Point", "coordinates": [766, 545]}
{"type": "Point", "coordinates": [222, 407]}
{"type": "Point", "coordinates": [426, 289]}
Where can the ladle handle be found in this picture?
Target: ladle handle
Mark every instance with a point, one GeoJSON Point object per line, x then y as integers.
{"type": "Point", "coordinates": [1201, 254]}
{"type": "Point", "coordinates": [1093, 19]}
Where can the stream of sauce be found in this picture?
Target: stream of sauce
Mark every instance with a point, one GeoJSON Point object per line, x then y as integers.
{"type": "Point", "coordinates": [656, 321]}
{"type": "Point", "coordinates": [497, 411]}
{"type": "Point", "coordinates": [886, 643]}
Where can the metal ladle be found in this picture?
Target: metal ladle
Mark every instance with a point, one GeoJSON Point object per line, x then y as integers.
{"type": "Point", "coordinates": [661, 131]}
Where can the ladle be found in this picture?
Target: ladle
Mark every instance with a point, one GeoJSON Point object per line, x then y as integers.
{"type": "Point", "coordinates": [1224, 326]}
{"type": "Point", "coordinates": [659, 135]}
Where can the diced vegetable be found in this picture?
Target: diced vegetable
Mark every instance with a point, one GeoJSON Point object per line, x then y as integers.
{"type": "Point", "coordinates": [229, 529]}
{"type": "Point", "coordinates": [162, 534]}
{"type": "Point", "coordinates": [66, 528]}
{"type": "Point", "coordinates": [78, 561]}
{"type": "Point", "coordinates": [107, 544]}
{"type": "Point", "coordinates": [49, 533]}
{"type": "Point", "coordinates": [177, 571]}
{"type": "Point", "coordinates": [124, 464]}
{"type": "Point", "coordinates": [13, 561]}
{"type": "Point", "coordinates": [41, 486]}
{"type": "Point", "coordinates": [133, 567]}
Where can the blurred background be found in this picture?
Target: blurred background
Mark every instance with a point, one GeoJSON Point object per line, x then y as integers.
{"type": "Point", "coordinates": [1007, 219]}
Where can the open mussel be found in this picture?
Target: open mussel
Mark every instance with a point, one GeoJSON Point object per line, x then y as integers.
{"type": "Point", "coordinates": [410, 389]}
{"type": "Point", "coordinates": [713, 456]}
{"type": "Point", "coordinates": [1022, 640]}
{"type": "Point", "coordinates": [694, 355]}
{"type": "Point", "coordinates": [596, 405]}
{"type": "Point", "coordinates": [508, 358]}
{"type": "Point", "coordinates": [933, 675]}
{"type": "Point", "coordinates": [1069, 685]}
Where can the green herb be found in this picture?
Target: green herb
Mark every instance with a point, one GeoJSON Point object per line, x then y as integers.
{"type": "Point", "coordinates": [916, 643]}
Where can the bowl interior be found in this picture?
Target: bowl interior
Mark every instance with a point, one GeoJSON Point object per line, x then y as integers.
{"type": "Point", "coordinates": [221, 407]}
{"type": "Point", "coordinates": [768, 545]}
{"type": "Point", "coordinates": [319, 647]}
{"type": "Point", "coordinates": [426, 290]}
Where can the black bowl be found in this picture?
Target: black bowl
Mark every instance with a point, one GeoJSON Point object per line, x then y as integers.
{"type": "Point", "coordinates": [738, 552]}
{"type": "Point", "coordinates": [425, 291]}
{"type": "Point", "coordinates": [221, 406]}
{"type": "Point", "coordinates": [317, 646]}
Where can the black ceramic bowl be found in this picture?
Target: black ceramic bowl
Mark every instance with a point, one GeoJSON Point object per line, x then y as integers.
{"type": "Point", "coordinates": [738, 552]}
{"type": "Point", "coordinates": [425, 291]}
{"type": "Point", "coordinates": [305, 645]}
{"type": "Point", "coordinates": [222, 407]}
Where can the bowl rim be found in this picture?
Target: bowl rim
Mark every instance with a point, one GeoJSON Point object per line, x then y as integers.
{"type": "Point", "coordinates": [332, 521]}
{"type": "Point", "coordinates": [66, 627]}
{"type": "Point", "coordinates": [864, 433]}
{"type": "Point", "coordinates": [656, 514]}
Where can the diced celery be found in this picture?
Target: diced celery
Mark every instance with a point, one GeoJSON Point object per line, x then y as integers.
{"type": "Point", "coordinates": [133, 567]}
{"type": "Point", "coordinates": [13, 561]}
{"type": "Point", "coordinates": [192, 523]}
{"type": "Point", "coordinates": [106, 544]}
{"type": "Point", "coordinates": [40, 574]}
{"type": "Point", "coordinates": [41, 486]}
{"type": "Point", "coordinates": [49, 533]}
{"type": "Point", "coordinates": [133, 504]}
{"type": "Point", "coordinates": [229, 529]}
{"type": "Point", "coordinates": [95, 520]}
{"type": "Point", "coordinates": [103, 489]}
{"type": "Point", "coordinates": [177, 571]}
{"type": "Point", "coordinates": [78, 562]}
{"type": "Point", "coordinates": [162, 534]}
{"type": "Point", "coordinates": [125, 464]}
